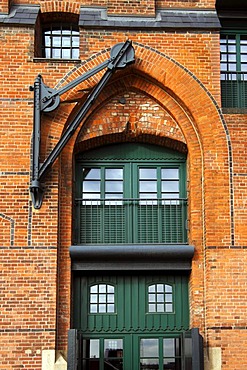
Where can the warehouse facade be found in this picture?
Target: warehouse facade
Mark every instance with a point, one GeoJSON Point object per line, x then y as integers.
{"type": "Point", "coordinates": [123, 184]}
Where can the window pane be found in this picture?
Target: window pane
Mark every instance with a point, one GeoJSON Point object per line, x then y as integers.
{"type": "Point", "coordinates": [170, 173]}
{"type": "Point", "coordinates": [102, 288]}
{"type": "Point", "coordinates": [114, 173]}
{"type": "Point", "coordinates": [66, 53]}
{"type": "Point", "coordinates": [94, 348]}
{"type": "Point", "coordinates": [149, 364]}
{"type": "Point", "coordinates": [91, 173]}
{"type": "Point", "coordinates": [149, 347]}
{"type": "Point", "coordinates": [114, 186]}
{"type": "Point", "coordinates": [102, 298]}
{"type": "Point", "coordinates": [148, 186]}
{"type": "Point", "coordinates": [170, 186]}
{"type": "Point", "coordinates": [91, 186]}
{"type": "Point", "coordinates": [160, 287]}
{"type": "Point", "coordinates": [75, 54]}
{"type": "Point", "coordinates": [56, 53]}
{"type": "Point", "coordinates": [168, 288]}
{"type": "Point", "coordinates": [56, 41]}
{"type": "Point", "coordinates": [147, 173]}
{"type": "Point", "coordinates": [102, 308]}
{"type": "Point", "coordinates": [168, 347]}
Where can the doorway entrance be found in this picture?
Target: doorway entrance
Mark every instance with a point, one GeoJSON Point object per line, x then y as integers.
{"type": "Point", "coordinates": [131, 322]}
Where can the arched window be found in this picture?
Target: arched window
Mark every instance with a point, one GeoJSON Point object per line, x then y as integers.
{"type": "Point", "coordinates": [102, 299]}
{"type": "Point", "coordinates": [160, 298]}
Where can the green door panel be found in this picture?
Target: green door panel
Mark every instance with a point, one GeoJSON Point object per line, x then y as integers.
{"type": "Point", "coordinates": [131, 312]}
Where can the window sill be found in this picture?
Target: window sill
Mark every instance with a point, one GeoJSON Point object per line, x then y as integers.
{"type": "Point", "coordinates": [53, 60]}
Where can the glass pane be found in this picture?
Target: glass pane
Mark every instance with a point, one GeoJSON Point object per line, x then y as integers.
{"type": "Point", "coordinates": [160, 307]}
{"type": "Point", "coordinates": [160, 287]}
{"type": "Point", "coordinates": [94, 348]}
{"type": "Point", "coordinates": [170, 173]}
{"type": "Point", "coordinates": [170, 186]}
{"type": "Point", "coordinates": [151, 298]}
{"type": "Point", "coordinates": [168, 307]}
{"type": "Point", "coordinates": [93, 298]}
{"type": "Point", "coordinates": [232, 67]}
{"type": "Point", "coordinates": [147, 173]}
{"type": "Point", "coordinates": [91, 173]}
{"type": "Point", "coordinates": [47, 41]}
{"type": "Point", "coordinates": [102, 288]}
{"type": "Point", "coordinates": [112, 344]}
{"type": "Point", "coordinates": [149, 347]}
{"type": "Point", "coordinates": [149, 364]}
{"type": "Point", "coordinates": [56, 41]}
{"type": "Point", "coordinates": [168, 288]}
{"type": "Point", "coordinates": [160, 297]}
{"type": "Point", "coordinates": [102, 298]}
{"type": "Point", "coordinates": [66, 41]}
{"type": "Point", "coordinates": [168, 298]}
{"type": "Point", "coordinates": [93, 308]}
{"type": "Point", "coordinates": [75, 41]}
{"type": "Point", "coordinates": [232, 57]}
{"type": "Point", "coordinates": [91, 196]}
{"type": "Point", "coordinates": [114, 186]}
{"type": "Point", "coordinates": [168, 347]}
{"type": "Point", "coordinates": [151, 288]}
{"type": "Point", "coordinates": [56, 53]}
{"type": "Point", "coordinates": [75, 54]}
{"type": "Point", "coordinates": [151, 308]}
{"type": "Point", "coordinates": [170, 364]}
{"type": "Point", "coordinates": [231, 48]}
{"type": "Point", "coordinates": [110, 298]}
{"type": "Point", "coordinates": [148, 186]}
{"type": "Point", "coordinates": [102, 308]}
{"type": "Point", "coordinates": [91, 186]}
{"type": "Point", "coordinates": [110, 308]}
{"type": "Point", "coordinates": [66, 53]}
{"type": "Point", "coordinates": [94, 289]}
{"type": "Point", "coordinates": [148, 196]}
{"type": "Point", "coordinates": [114, 173]}
{"type": "Point", "coordinates": [243, 48]}
{"type": "Point", "coordinates": [110, 289]}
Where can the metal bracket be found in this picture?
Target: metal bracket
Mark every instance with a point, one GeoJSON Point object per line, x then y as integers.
{"type": "Point", "coordinates": [47, 99]}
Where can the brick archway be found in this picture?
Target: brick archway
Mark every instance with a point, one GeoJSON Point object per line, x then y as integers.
{"type": "Point", "coordinates": [188, 108]}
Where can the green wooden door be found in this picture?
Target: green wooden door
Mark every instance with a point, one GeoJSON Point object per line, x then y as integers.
{"type": "Point", "coordinates": [131, 322]}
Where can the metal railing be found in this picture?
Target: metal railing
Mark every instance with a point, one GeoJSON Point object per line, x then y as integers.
{"type": "Point", "coordinates": [132, 220]}
{"type": "Point", "coordinates": [234, 89]}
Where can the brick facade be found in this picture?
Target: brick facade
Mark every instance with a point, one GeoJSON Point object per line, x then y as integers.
{"type": "Point", "coordinates": [172, 98]}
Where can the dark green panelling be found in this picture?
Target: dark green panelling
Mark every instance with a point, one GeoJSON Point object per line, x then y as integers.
{"type": "Point", "coordinates": [131, 305]}
{"type": "Point", "coordinates": [132, 152]}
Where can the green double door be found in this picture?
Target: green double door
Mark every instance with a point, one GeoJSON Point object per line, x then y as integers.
{"type": "Point", "coordinates": [135, 322]}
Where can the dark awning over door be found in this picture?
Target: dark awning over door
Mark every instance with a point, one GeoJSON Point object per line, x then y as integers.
{"type": "Point", "coordinates": [131, 257]}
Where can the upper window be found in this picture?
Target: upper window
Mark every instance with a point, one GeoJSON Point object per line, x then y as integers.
{"type": "Point", "coordinates": [102, 298]}
{"type": "Point", "coordinates": [61, 42]}
{"type": "Point", "coordinates": [125, 200]}
{"type": "Point", "coordinates": [160, 298]}
{"type": "Point", "coordinates": [233, 48]}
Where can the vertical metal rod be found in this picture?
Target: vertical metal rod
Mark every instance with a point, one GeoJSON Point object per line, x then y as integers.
{"type": "Point", "coordinates": [36, 128]}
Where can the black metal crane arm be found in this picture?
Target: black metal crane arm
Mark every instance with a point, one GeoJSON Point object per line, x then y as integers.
{"type": "Point", "coordinates": [46, 99]}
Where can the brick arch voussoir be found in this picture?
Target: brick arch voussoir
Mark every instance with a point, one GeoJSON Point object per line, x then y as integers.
{"type": "Point", "coordinates": [60, 6]}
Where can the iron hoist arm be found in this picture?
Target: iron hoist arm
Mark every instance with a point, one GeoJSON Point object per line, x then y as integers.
{"type": "Point", "coordinates": [47, 99]}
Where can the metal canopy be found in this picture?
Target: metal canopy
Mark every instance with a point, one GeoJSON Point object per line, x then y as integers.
{"type": "Point", "coordinates": [47, 99]}
{"type": "Point", "coordinates": [156, 257]}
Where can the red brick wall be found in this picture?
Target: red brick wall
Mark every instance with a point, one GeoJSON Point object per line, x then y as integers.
{"type": "Point", "coordinates": [168, 102]}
